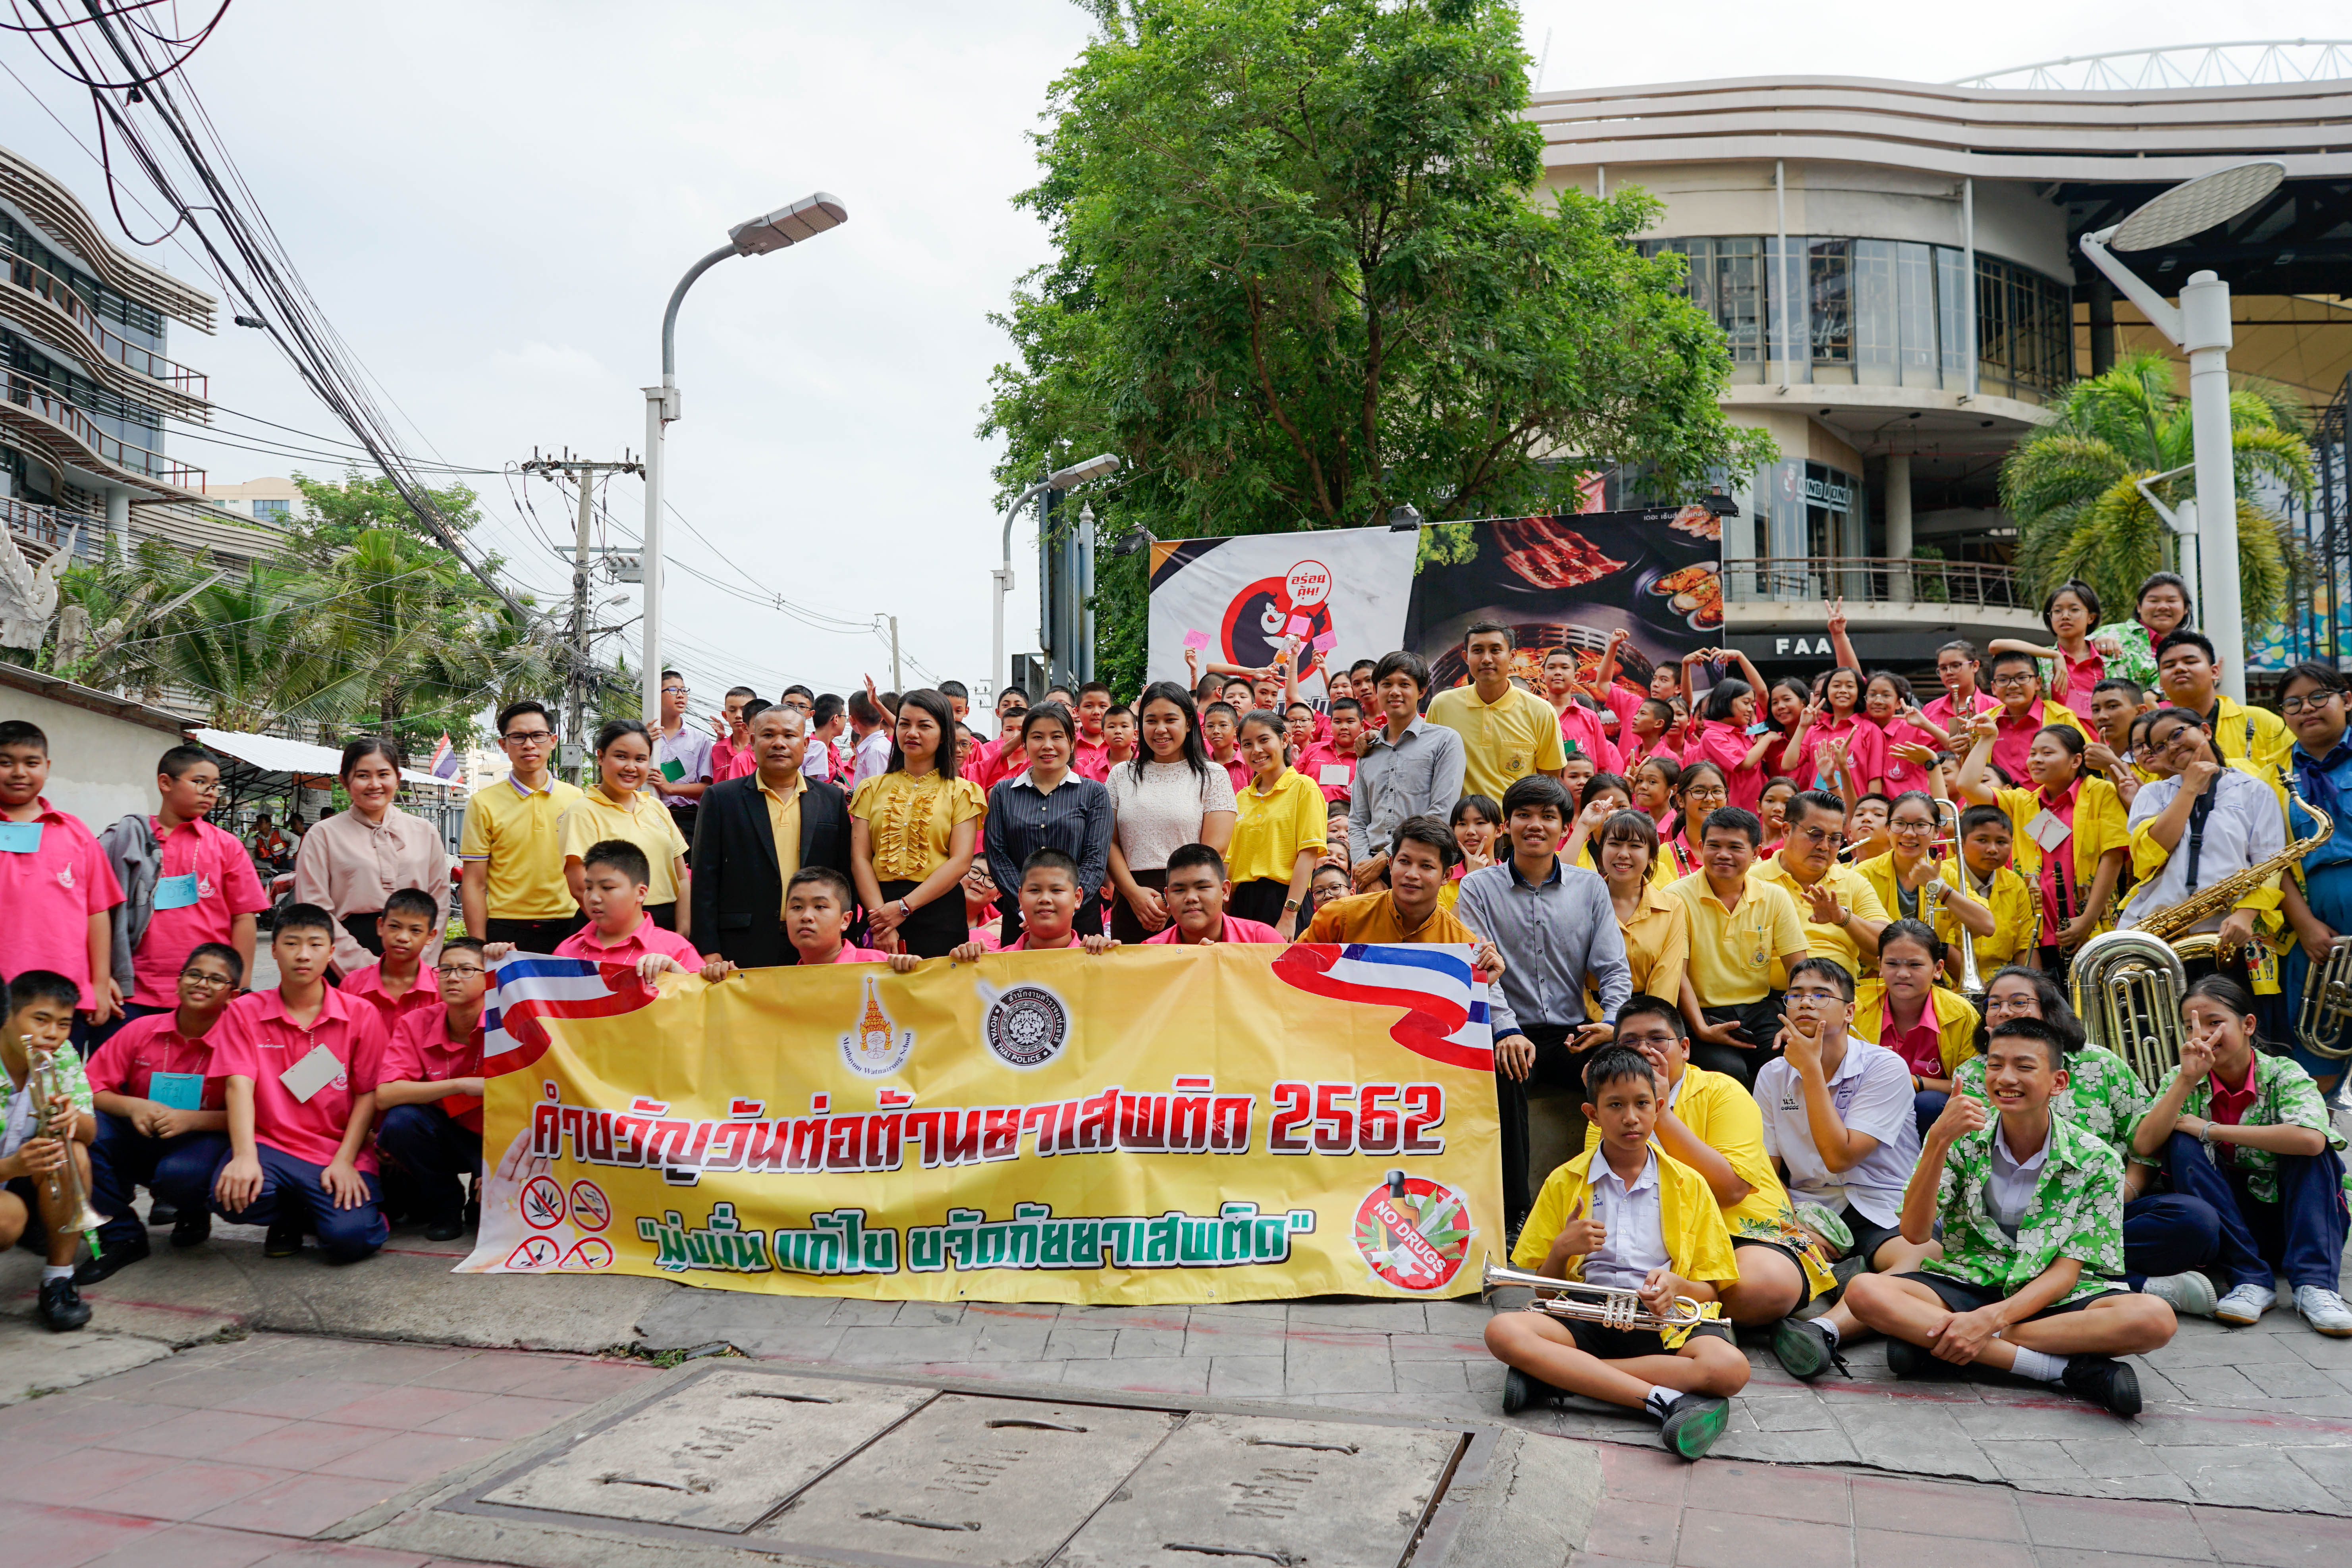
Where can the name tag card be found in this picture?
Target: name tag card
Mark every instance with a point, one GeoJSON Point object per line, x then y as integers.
{"type": "Point", "coordinates": [2046, 830]}
{"type": "Point", "coordinates": [179, 1090]}
{"type": "Point", "coordinates": [175, 892]}
{"type": "Point", "coordinates": [1334, 774]}
{"type": "Point", "coordinates": [20, 837]}
{"type": "Point", "coordinates": [311, 1074]}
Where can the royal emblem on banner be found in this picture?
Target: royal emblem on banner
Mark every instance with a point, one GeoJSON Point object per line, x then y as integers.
{"type": "Point", "coordinates": [877, 1046]}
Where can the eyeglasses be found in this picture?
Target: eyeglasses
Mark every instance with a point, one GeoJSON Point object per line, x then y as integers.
{"type": "Point", "coordinates": [1822, 834]}
{"type": "Point", "coordinates": [1829, 996]}
{"type": "Point", "coordinates": [2316, 700]}
{"type": "Point", "coordinates": [210, 981]}
{"type": "Point", "coordinates": [460, 970]}
{"type": "Point", "coordinates": [528, 737]}
{"type": "Point", "coordinates": [674, 692]}
{"type": "Point", "coordinates": [2013, 679]}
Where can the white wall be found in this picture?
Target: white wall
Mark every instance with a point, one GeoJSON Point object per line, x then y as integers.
{"type": "Point", "coordinates": [100, 768]}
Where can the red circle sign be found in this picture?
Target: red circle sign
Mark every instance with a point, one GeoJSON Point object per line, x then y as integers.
{"type": "Point", "coordinates": [536, 1252]}
{"type": "Point", "coordinates": [590, 1208]}
{"type": "Point", "coordinates": [542, 1203]}
{"type": "Point", "coordinates": [595, 1252]}
{"type": "Point", "coordinates": [1415, 1242]}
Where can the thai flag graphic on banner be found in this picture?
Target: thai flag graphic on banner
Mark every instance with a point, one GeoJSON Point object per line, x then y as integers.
{"type": "Point", "coordinates": [445, 759]}
{"type": "Point", "coordinates": [1445, 1002]}
{"type": "Point", "coordinates": [528, 988]}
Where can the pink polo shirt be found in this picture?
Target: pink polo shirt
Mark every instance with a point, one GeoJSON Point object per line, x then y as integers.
{"type": "Point", "coordinates": [1236, 930]}
{"type": "Point", "coordinates": [1091, 759]}
{"type": "Point", "coordinates": [1921, 1047]}
{"type": "Point", "coordinates": [225, 889]}
{"type": "Point", "coordinates": [2075, 679]}
{"type": "Point", "coordinates": [368, 983]}
{"type": "Point", "coordinates": [1313, 759]}
{"type": "Point", "coordinates": [849, 954]}
{"type": "Point", "coordinates": [1865, 751]}
{"type": "Point", "coordinates": [1902, 773]}
{"type": "Point", "coordinates": [145, 1047]}
{"type": "Point", "coordinates": [729, 760]}
{"type": "Point", "coordinates": [1625, 703]}
{"type": "Point", "coordinates": [1725, 744]}
{"type": "Point", "coordinates": [1236, 769]}
{"type": "Point", "coordinates": [647, 938]}
{"type": "Point", "coordinates": [1581, 726]}
{"type": "Point", "coordinates": [993, 762]}
{"type": "Point", "coordinates": [48, 896]}
{"type": "Point", "coordinates": [257, 1040]}
{"type": "Point", "coordinates": [1942, 714]}
{"type": "Point", "coordinates": [2013, 738]}
{"type": "Point", "coordinates": [422, 1052]}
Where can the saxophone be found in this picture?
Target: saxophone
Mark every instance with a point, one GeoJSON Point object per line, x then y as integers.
{"type": "Point", "coordinates": [2172, 923]}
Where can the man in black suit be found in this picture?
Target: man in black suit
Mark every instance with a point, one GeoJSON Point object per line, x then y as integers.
{"type": "Point", "coordinates": [752, 834]}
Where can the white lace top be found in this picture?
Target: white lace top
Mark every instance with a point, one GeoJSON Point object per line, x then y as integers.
{"type": "Point", "coordinates": [1160, 806]}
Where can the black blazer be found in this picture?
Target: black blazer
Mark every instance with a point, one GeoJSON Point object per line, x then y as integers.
{"type": "Point", "coordinates": [739, 891]}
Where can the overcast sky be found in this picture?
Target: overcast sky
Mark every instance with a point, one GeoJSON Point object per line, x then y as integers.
{"type": "Point", "coordinates": [491, 203]}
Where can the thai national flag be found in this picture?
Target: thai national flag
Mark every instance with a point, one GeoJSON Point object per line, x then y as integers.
{"type": "Point", "coordinates": [445, 758]}
{"type": "Point", "coordinates": [527, 988]}
{"type": "Point", "coordinates": [1445, 1002]}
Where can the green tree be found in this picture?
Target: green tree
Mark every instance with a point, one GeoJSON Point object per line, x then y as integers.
{"type": "Point", "coordinates": [336, 514]}
{"type": "Point", "coordinates": [1306, 271]}
{"type": "Point", "coordinates": [2073, 485]}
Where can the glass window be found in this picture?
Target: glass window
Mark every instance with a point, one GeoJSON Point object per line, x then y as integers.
{"type": "Point", "coordinates": [1830, 301]}
{"type": "Point", "coordinates": [1740, 296]}
{"type": "Point", "coordinates": [1877, 333]}
{"type": "Point", "coordinates": [271, 510]}
{"type": "Point", "coordinates": [1915, 293]}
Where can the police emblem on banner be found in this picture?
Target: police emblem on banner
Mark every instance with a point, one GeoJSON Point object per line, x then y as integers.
{"type": "Point", "coordinates": [1027, 1025]}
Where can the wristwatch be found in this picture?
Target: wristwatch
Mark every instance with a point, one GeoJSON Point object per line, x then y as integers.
{"type": "Point", "coordinates": [1289, 906]}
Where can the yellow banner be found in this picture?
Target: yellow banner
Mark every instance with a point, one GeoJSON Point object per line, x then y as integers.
{"type": "Point", "coordinates": [1156, 1124]}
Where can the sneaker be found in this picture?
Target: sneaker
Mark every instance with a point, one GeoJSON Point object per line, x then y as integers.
{"type": "Point", "coordinates": [2243, 1307]}
{"type": "Point", "coordinates": [2103, 1382]}
{"type": "Point", "coordinates": [1805, 1349]}
{"type": "Point", "coordinates": [62, 1307]}
{"type": "Point", "coordinates": [1692, 1423]}
{"type": "Point", "coordinates": [2324, 1309]}
{"type": "Point", "coordinates": [2191, 1295]}
{"type": "Point", "coordinates": [1905, 1359]}
{"type": "Point", "coordinates": [192, 1229]}
{"type": "Point", "coordinates": [161, 1213]}
{"type": "Point", "coordinates": [118, 1253]}
{"type": "Point", "coordinates": [1519, 1391]}
{"type": "Point", "coordinates": [284, 1240]}
{"type": "Point", "coordinates": [448, 1229]}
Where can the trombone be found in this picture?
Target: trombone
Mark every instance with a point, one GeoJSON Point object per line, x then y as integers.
{"type": "Point", "coordinates": [1602, 1304]}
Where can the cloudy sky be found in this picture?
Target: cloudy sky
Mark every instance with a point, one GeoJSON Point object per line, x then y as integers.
{"type": "Point", "coordinates": [491, 203]}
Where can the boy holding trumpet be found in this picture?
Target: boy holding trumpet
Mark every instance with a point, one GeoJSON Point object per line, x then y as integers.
{"type": "Point", "coordinates": [1626, 1217]}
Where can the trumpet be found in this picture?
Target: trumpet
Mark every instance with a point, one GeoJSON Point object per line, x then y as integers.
{"type": "Point", "coordinates": [1608, 1307]}
{"type": "Point", "coordinates": [2128, 990]}
{"type": "Point", "coordinates": [2327, 1008]}
{"type": "Point", "coordinates": [46, 1080]}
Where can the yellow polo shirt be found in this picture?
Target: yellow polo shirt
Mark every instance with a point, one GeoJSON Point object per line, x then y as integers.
{"type": "Point", "coordinates": [644, 822]}
{"type": "Point", "coordinates": [784, 821]}
{"type": "Point", "coordinates": [2100, 824]}
{"type": "Point", "coordinates": [1271, 827]}
{"type": "Point", "coordinates": [1502, 742]}
{"type": "Point", "coordinates": [2012, 911]}
{"type": "Point", "coordinates": [515, 832]}
{"type": "Point", "coordinates": [1657, 944]}
{"type": "Point", "coordinates": [1733, 951]}
{"type": "Point", "coordinates": [1853, 889]}
{"type": "Point", "coordinates": [2255, 735]}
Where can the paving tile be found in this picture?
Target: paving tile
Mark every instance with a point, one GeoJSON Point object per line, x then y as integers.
{"type": "Point", "coordinates": [335, 1554]}
{"type": "Point", "coordinates": [584, 1381]}
{"type": "Point", "coordinates": [2037, 1464]}
{"type": "Point", "coordinates": [881, 1345]}
{"type": "Point", "coordinates": [188, 1489]}
{"type": "Point", "coordinates": [1775, 1491]}
{"type": "Point", "coordinates": [1245, 1377]}
{"type": "Point", "coordinates": [1374, 1315]}
{"type": "Point", "coordinates": [2153, 1528]}
{"type": "Point", "coordinates": [298, 1397]}
{"type": "Point", "coordinates": [1592, 1560]}
{"type": "Point", "coordinates": [2248, 1477]}
{"type": "Point", "coordinates": [1437, 1347]}
{"type": "Point", "coordinates": [927, 1315]}
{"type": "Point", "coordinates": [301, 1506]}
{"type": "Point", "coordinates": [1156, 1374]}
{"type": "Point", "coordinates": [1127, 1317]}
{"type": "Point", "coordinates": [2291, 1380]}
{"type": "Point", "coordinates": [854, 1314]}
{"type": "Point", "coordinates": [2220, 1384]}
{"type": "Point", "coordinates": [1644, 1531]}
{"type": "Point", "coordinates": [506, 1416]}
{"type": "Point", "coordinates": [1466, 1316]}
{"type": "Point", "coordinates": [408, 1457]}
{"type": "Point", "coordinates": [1417, 1377]}
{"type": "Point", "coordinates": [491, 1372]}
{"type": "Point", "coordinates": [2239, 1535]}
{"type": "Point", "coordinates": [60, 1537]}
{"type": "Point", "coordinates": [70, 1419]}
{"type": "Point", "coordinates": [1830, 1447]}
{"type": "Point", "coordinates": [1232, 1336]}
{"type": "Point", "coordinates": [2091, 1557]}
{"type": "Point", "coordinates": [1337, 1362]}
{"type": "Point", "coordinates": [77, 1475]}
{"type": "Point", "coordinates": [1922, 1507]}
{"type": "Point", "coordinates": [403, 1409]}
{"type": "Point", "coordinates": [1914, 1550]}
{"type": "Point", "coordinates": [1709, 1539]}
{"type": "Point", "coordinates": [1920, 1440]}
{"type": "Point", "coordinates": [191, 1546]}
{"type": "Point", "coordinates": [1150, 1342]}
{"type": "Point", "coordinates": [174, 1383]}
{"type": "Point", "coordinates": [192, 1433]}
{"type": "Point", "coordinates": [1065, 1343]}
{"type": "Point", "coordinates": [1643, 1475]}
{"type": "Point", "coordinates": [373, 1363]}
{"type": "Point", "coordinates": [1010, 1339]}
{"type": "Point", "coordinates": [1236, 1311]}
{"type": "Point", "coordinates": [1784, 1413]}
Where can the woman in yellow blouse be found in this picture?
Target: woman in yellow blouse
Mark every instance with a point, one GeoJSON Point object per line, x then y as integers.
{"type": "Point", "coordinates": [1279, 833]}
{"type": "Point", "coordinates": [2070, 810]}
{"type": "Point", "coordinates": [1910, 864]}
{"type": "Point", "coordinates": [621, 806]}
{"type": "Point", "coordinates": [1656, 924]}
{"type": "Point", "coordinates": [911, 831]}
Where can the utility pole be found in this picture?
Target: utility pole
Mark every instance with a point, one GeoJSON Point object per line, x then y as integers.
{"type": "Point", "coordinates": [897, 684]}
{"type": "Point", "coordinates": [583, 474]}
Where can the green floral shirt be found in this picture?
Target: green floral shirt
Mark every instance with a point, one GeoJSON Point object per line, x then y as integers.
{"type": "Point", "coordinates": [2134, 655]}
{"type": "Point", "coordinates": [2103, 1096]}
{"type": "Point", "coordinates": [2077, 1212]}
{"type": "Point", "coordinates": [2284, 1096]}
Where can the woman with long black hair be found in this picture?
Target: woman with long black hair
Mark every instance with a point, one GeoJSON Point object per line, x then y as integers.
{"type": "Point", "coordinates": [912, 830]}
{"type": "Point", "coordinates": [1171, 795]}
{"type": "Point", "coordinates": [353, 861]}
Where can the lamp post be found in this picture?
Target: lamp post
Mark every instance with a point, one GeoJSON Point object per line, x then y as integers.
{"type": "Point", "coordinates": [2200, 325]}
{"type": "Point", "coordinates": [804, 219]}
{"type": "Point", "coordinates": [1094, 467]}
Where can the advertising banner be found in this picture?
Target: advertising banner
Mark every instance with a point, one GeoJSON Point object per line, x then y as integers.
{"type": "Point", "coordinates": [1569, 582]}
{"type": "Point", "coordinates": [1234, 601]}
{"type": "Point", "coordinates": [1151, 1125]}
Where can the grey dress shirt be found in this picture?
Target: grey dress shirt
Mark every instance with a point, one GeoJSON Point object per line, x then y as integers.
{"type": "Point", "coordinates": [1419, 775]}
{"type": "Point", "coordinates": [1553, 934]}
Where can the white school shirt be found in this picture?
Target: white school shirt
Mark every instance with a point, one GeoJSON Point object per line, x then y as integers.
{"type": "Point", "coordinates": [1633, 1222]}
{"type": "Point", "coordinates": [2245, 828]}
{"type": "Point", "coordinates": [1872, 1091]}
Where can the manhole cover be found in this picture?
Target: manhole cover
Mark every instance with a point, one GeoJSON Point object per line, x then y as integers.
{"type": "Point", "coordinates": [857, 1470]}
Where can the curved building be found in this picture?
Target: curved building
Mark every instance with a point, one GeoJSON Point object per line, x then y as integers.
{"type": "Point", "coordinates": [1894, 265]}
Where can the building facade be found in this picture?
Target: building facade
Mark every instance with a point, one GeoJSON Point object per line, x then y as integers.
{"type": "Point", "coordinates": [1895, 266]}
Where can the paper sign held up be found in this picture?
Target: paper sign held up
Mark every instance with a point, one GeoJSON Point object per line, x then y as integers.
{"type": "Point", "coordinates": [1196, 639]}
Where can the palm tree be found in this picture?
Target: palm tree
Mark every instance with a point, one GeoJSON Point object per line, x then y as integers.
{"type": "Point", "coordinates": [2073, 485]}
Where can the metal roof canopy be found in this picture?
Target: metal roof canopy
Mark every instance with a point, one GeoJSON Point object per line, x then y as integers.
{"type": "Point", "coordinates": [318, 766]}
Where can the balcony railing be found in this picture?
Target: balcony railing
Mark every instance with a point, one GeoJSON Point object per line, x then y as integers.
{"type": "Point", "coordinates": [35, 396]}
{"type": "Point", "coordinates": [48, 525]}
{"type": "Point", "coordinates": [1872, 580]}
{"type": "Point", "coordinates": [24, 275]}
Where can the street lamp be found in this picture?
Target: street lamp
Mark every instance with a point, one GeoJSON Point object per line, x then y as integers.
{"type": "Point", "coordinates": [1094, 467]}
{"type": "Point", "coordinates": [2200, 325]}
{"type": "Point", "coordinates": [804, 219]}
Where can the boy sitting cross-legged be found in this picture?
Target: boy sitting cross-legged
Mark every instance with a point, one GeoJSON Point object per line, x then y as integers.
{"type": "Point", "coordinates": [2032, 1214]}
{"type": "Point", "coordinates": [161, 1119]}
{"type": "Point", "coordinates": [301, 1064]}
{"type": "Point", "coordinates": [1627, 1216]}
{"type": "Point", "coordinates": [819, 905]}
{"type": "Point", "coordinates": [430, 1096]}
{"type": "Point", "coordinates": [1049, 905]}
{"type": "Point", "coordinates": [40, 1019]}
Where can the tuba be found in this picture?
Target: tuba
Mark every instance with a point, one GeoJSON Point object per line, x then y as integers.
{"type": "Point", "coordinates": [47, 1078]}
{"type": "Point", "coordinates": [1612, 1309]}
{"type": "Point", "coordinates": [2326, 1009]}
{"type": "Point", "coordinates": [2128, 990]}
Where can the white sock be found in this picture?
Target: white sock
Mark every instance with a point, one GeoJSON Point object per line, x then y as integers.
{"type": "Point", "coordinates": [56, 1271]}
{"type": "Point", "coordinates": [2039, 1365]}
{"type": "Point", "coordinates": [1830, 1329]}
{"type": "Point", "coordinates": [1659, 1400]}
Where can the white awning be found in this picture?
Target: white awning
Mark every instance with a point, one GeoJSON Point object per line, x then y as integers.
{"type": "Point", "coordinates": [296, 759]}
